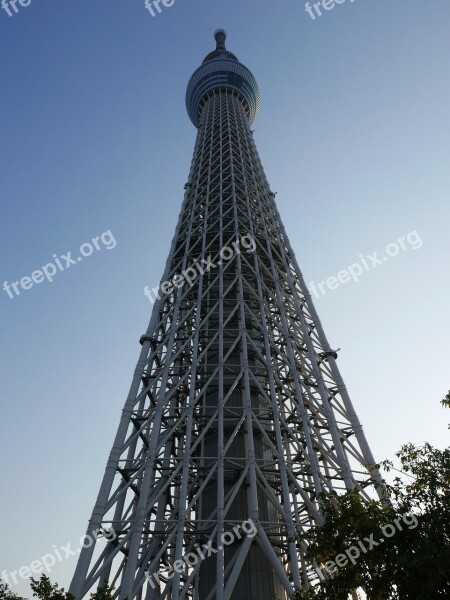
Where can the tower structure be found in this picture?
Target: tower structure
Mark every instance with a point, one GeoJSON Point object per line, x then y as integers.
{"type": "Point", "coordinates": [237, 416]}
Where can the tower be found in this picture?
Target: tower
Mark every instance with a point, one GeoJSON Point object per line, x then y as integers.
{"type": "Point", "coordinates": [237, 416]}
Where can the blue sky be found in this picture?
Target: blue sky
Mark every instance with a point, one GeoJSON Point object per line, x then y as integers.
{"type": "Point", "coordinates": [354, 134]}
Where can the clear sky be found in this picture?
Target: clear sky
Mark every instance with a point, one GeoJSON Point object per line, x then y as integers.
{"type": "Point", "coordinates": [354, 134]}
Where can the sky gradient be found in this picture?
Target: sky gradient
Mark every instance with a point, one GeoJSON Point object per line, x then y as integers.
{"type": "Point", "coordinates": [354, 135]}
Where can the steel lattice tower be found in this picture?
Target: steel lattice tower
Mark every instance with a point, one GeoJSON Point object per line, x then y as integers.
{"type": "Point", "coordinates": [237, 409]}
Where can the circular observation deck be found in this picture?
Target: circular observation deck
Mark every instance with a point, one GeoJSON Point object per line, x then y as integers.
{"type": "Point", "coordinates": [221, 70]}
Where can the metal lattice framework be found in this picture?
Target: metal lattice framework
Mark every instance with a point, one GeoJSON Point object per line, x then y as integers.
{"type": "Point", "coordinates": [236, 410]}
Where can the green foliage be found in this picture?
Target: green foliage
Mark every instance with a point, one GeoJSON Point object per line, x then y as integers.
{"type": "Point", "coordinates": [446, 402]}
{"type": "Point", "coordinates": [102, 593]}
{"type": "Point", "coordinates": [45, 590]}
{"type": "Point", "coordinates": [6, 593]}
{"type": "Point", "coordinates": [411, 564]}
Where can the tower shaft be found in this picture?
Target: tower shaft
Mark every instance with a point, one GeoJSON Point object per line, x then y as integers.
{"type": "Point", "coordinates": [237, 416]}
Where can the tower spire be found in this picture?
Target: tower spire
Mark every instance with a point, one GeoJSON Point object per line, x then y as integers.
{"type": "Point", "coordinates": [220, 36]}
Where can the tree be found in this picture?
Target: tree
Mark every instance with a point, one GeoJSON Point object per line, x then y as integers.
{"type": "Point", "coordinates": [446, 402]}
{"type": "Point", "coordinates": [102, 593]}
{"type": "Point", "coordinates": [6, 593]}
{"type": "Point", "coordinates": [45, 590]}
{"type": "Point", "coordinates": [392, 550]}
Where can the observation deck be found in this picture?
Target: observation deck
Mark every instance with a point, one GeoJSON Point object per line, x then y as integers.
{"type": "Point", "coordinates": [221, 70]}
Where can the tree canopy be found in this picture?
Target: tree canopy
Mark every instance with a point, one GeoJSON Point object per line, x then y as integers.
{"type": "Point", "coordinates": [396, 550]}
{"type": "Point", "coordinates": [6, 593]}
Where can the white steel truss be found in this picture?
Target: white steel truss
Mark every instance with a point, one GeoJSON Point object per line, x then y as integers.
{"type": "Point", "coordinates": [236, 410]}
